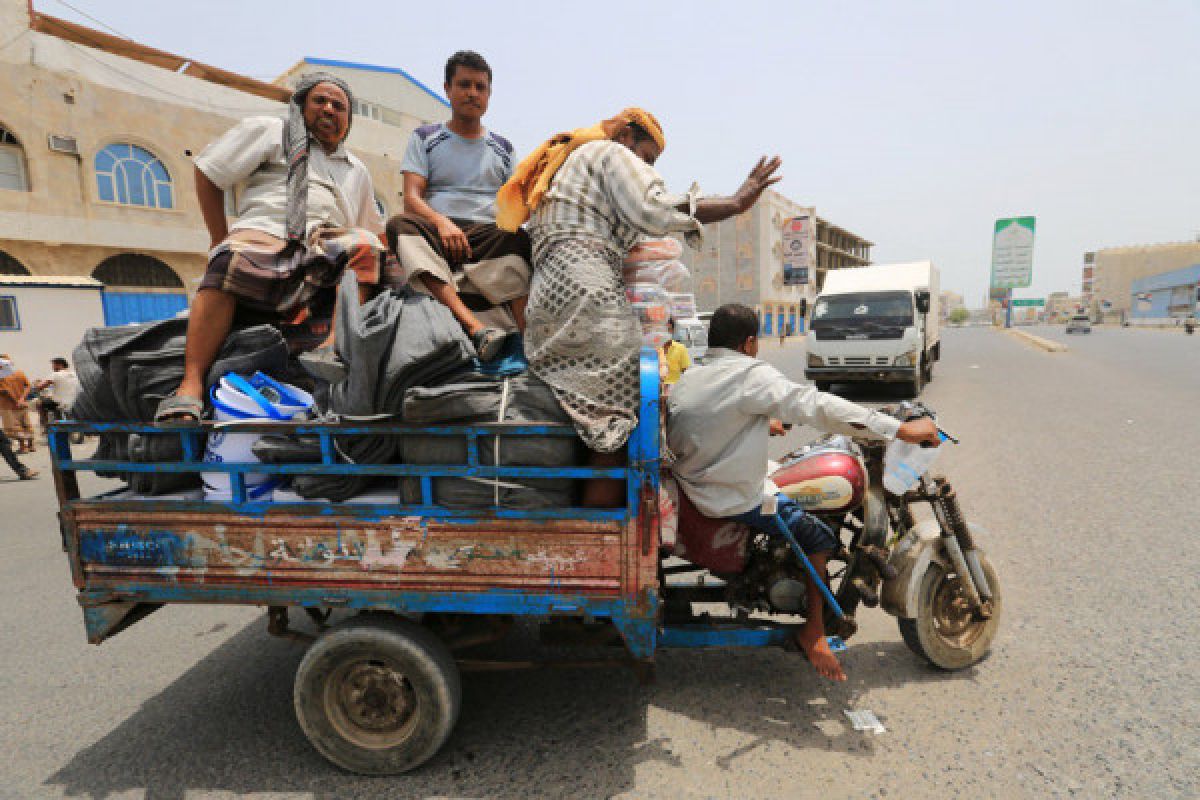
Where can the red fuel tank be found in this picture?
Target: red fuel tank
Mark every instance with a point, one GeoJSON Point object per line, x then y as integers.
{"type": "Point", "coordinates": [824, 480]}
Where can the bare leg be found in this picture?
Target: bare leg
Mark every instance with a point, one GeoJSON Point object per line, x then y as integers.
{"type": "Point", "coordinates": [604, 492]}
{"type": "Point", "coordinates": [811, 637]}
{"type": "Point", "coordinates": [209, 323]}
{"type": "Point", "coordinates": [517, 305]}
{"type": "Point", "coordinates": [447, 295]}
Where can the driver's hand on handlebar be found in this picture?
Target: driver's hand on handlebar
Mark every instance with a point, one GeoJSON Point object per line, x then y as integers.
{"type": "Point", "coordinates": [923, 431]}
{"type": "Point", "coordinates": [778, 428]}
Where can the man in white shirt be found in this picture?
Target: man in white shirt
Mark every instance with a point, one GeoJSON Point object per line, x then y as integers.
{"type": "Point", "coordinates": [64, 388]}
{"type": "Point", "coordinates": [720, 415]}
{"type": "Point", "coordinates": [306, 213]}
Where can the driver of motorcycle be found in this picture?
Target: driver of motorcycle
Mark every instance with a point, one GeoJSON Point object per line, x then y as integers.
{"type": "Point", "coordinates": [719, 417]}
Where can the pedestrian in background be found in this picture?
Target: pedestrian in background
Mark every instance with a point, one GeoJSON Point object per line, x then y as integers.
{"type": "Point", "coordinates": [6, 452]}
{"type": "Point", "coordinates": [675, 357]}
{"type": "Point", "coordinates": [14, 404]}
{"type": "Point", "coordinates": [57, 392]}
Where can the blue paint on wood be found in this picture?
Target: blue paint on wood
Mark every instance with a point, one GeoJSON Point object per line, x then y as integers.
{"type": "Point", "coordinates": [693, 636]}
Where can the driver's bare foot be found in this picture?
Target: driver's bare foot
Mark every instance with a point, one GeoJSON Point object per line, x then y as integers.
{"type": "Point", "coordinates": [816, 649]}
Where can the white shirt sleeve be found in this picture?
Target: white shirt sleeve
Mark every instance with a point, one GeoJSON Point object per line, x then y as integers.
{"type": "Point", "coordinates": [237, 153]}
{"type": "Point", "coordinates": [768, 392]}
{"type": "Point", "coordinates": [369, 217]}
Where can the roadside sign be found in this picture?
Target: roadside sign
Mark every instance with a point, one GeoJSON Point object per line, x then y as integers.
{"type": "Point", "coordinates": [1028, 301]}
{"type": "Point", "coordinates": [1012, 252]}
{"type": "Point", "coordinates": [799, 249]}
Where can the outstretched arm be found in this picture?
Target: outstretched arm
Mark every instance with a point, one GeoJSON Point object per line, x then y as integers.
{"type": "Point", "coordinates": [715, 209]}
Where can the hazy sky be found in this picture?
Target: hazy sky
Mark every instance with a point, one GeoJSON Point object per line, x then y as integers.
{"type": "Point", "coordinates": [914, 124]}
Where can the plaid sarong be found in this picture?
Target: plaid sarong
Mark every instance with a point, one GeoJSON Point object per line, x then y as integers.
{"type": "Point", "coordinates": [499, 269]}
{"type": "Point", "coordinates": [289, 286]}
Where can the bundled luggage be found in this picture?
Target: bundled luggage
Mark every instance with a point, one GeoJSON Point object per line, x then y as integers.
{"type": "Point", "coordinates": [125, 372]}
{"type": "Point", "coordinates": [524, 399]}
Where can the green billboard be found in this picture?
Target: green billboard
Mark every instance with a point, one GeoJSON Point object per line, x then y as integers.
{"type": "Point", "coordinates": [1012, 252]}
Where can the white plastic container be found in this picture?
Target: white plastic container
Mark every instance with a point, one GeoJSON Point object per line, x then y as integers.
{"type": "Point", "coordinates": [236, 399]}
{"type": "Point", "coordinates": [904, 464]}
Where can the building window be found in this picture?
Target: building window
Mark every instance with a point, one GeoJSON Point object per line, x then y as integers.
{"type": "Point", "coordinates": [132, 176]}
{"type": "Point", "coordinates": [135, 269]}
{"type": "Point", "coordinates": [10, 266]}
{"type": "Point", "coordinates": [12, 163]}
{"type": "Point", "coordinates": [9, 319]}
{"type": "Point", "coordinates": [380, 207]}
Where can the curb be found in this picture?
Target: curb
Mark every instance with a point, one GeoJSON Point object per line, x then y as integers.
{"type": "Point", "coordinates": [1038, 341]}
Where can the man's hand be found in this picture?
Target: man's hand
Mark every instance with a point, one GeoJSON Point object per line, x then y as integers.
{"type": "Point", "coordinates": [762, 176]}
{"type": "Point", "coordinates": [919, 431]}
{"type": "Point", "coordinates": [778, 428]}
{"type": "Point", "coordinates": [454, 240]}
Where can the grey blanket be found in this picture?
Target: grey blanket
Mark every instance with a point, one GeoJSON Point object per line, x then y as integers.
{"type": "Point", "coordinates": [396, 340]}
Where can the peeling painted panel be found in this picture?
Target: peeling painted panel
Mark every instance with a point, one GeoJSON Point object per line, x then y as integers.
{"type": "Point", "coordinates": [400, 552]}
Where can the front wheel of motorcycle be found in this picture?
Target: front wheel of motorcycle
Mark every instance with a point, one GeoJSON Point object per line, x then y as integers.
{"type": "Point", "coordinates": [947, 632]}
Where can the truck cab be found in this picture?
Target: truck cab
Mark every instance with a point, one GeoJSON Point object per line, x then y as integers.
{"type": "Point", "coordinates": [875, 324]}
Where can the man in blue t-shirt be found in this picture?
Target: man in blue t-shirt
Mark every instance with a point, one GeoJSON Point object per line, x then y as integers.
{"type": "Point", "coordinates": [447, 241]}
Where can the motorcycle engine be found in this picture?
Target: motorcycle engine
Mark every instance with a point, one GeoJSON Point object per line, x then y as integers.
{"type": "Point", "coordinates": [772, 582]}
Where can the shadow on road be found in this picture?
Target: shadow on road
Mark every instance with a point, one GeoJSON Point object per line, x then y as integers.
{"type": "Point", "coordinates": [227, 725]}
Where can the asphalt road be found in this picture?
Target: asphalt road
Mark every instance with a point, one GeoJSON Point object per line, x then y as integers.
{"type": "Point", "coordinates": [1081, 465]}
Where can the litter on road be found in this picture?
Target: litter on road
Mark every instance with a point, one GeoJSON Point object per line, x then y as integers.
{"type": "Point", "coordinates": [865, 721]}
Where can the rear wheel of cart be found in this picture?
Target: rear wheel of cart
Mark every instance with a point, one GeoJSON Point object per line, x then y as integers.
{"type": "Point", "coordinates": [377, 695]}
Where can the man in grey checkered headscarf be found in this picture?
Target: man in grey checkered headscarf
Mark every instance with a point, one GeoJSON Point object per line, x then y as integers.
{"type": "Point", "coordinates": [327, 120]}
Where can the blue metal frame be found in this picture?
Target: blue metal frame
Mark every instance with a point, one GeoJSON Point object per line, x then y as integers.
{"type": "Point", "coordinates": [635, 616]}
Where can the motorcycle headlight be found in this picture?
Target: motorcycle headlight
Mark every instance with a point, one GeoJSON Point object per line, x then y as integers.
{"type": "Point", "coordinates": [908, 359]}
{"type": "Point", "coordinates": [815, 361]}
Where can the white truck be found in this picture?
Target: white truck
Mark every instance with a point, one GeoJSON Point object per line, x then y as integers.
{"type": "Point", "coordinates": [876, 324]}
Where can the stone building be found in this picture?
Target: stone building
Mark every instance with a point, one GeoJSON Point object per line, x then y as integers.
{"type": "Point", "coordinates": [1109, 274]}
{"type": "Point", "coordinates": [742, 261]}
{"type": "Point", "coordinates": [97, 135]}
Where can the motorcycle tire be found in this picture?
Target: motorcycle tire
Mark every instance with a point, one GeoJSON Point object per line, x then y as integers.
{"type": "Point", "coordinates": [947, 638]}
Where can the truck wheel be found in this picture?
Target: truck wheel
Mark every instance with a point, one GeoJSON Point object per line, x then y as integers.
{"type": "Point", "coordinates": [945, 633]}
{"type": "Point", "coordinates": [377, 695]}
{"type": "Point", "coordinates": [823, 386]}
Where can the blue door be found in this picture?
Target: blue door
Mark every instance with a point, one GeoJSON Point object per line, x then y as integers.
{"type": "Point", "coordinates": [782, 330]}
{"type": "Point", "coordinates": [767, 323]}
{"type": "Point", "coordinates": [122, 308]}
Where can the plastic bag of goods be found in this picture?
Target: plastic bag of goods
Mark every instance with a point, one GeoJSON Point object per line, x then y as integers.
{"type": "Point", "coordinates": [653, 309]}
{"type": "Point", "coordinates": [683, 306]}
{"type": "Point", "coordinates": [675, 277]}
{"type": "Point", "coordinates": [642, 272]}
{"type": "Point", "coordinates": [667, 249]}
{"type": "Point", "coordinates": [259, 399]}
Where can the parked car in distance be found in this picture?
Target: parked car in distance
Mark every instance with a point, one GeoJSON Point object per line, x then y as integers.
{"type": "Point", "coordinates": [1079, 324]}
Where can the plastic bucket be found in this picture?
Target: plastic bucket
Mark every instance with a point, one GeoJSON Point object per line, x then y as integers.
{"type": "Point", "coordinates": [236, 399]}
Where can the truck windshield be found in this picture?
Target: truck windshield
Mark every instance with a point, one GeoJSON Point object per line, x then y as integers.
{"type": "Point", "coordinates": [888, 308]}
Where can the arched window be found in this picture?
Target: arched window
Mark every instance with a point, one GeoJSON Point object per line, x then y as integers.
{"type": "Point", "coordinates": [131, 175]}
{"type": "Point", "coordinates": [10, 266]}
{"type": "Point", "coordinates": [136, 270]}
{"type": "Point", "coordinates": [12, 164]}
{"type": "Point", "coordinates": [380, 207]}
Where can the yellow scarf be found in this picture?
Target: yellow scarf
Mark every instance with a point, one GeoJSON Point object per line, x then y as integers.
{"type": "Point", "coordinates": [518, 198]}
